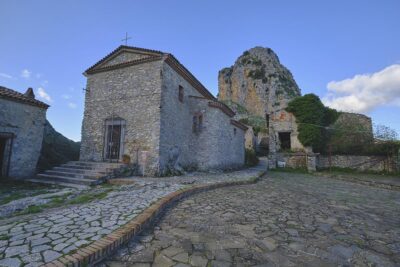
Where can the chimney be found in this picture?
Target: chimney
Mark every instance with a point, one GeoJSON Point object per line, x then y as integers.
{"type": "Point", "coordinates": [29, 93]}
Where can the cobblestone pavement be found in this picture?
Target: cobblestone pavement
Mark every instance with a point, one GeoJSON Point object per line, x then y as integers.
{"type": "Point", "coordinates": [46, 236]}
{"type": "Point", "coordinates": [284, 220]}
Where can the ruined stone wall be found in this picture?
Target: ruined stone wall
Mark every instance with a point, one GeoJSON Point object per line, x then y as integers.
{"type": "Point", "coordinates": [26, 122]}
{"type": "Point", "coordinates": [133, 94]}
{"type": "Point", "coordinates": [250, 140]}
{"type": "Point", "coordinates": [361, 163]}
{"type": "Point", "coordinates": [360, 120]}
{"type": "Point", "coordinates": [283, 121]}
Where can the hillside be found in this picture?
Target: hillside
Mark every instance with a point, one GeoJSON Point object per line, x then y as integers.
{"type": "Point", "coordinates": [56, 149]}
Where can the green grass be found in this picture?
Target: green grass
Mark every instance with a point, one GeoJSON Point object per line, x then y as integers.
{"type": "Point", "coordinates": [89, 197]}
{"type": "Point", "coordinates": [64, 200]}
{"type": "Point", "coordinates": [11, 190]}
{"type": "Point", "coordinates": [4, 237]}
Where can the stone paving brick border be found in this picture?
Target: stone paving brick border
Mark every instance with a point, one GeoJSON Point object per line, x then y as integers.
{"type": "Point", "coordinates": [100, 249]}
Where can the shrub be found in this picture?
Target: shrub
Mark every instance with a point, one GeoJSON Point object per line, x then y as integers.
{"type": "Point", "coordinates": [257, 74]}
{"type": "Point", "coordinates": [312, 117]}
{"type": "Point", "coordinates": [126, 159]}
{"type": "Point", "coordinates": [251, 158]}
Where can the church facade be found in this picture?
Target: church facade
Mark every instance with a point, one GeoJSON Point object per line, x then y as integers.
{"type": "Point", "coordinates": [144, 105]}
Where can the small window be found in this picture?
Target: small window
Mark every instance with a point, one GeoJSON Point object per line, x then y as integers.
{"type": "Point", "coordinates": [200, 125]}
{"type": "Point", "coordinates": [180, 93]}
{"type": "Point", "coordinates": [234, 131]}
{"type": "Point", "coordinates": [194, 125]}
{"type": "Point", "coordinates": [197, 125]}
{"type": "Point", "coordinates": [267, 119]}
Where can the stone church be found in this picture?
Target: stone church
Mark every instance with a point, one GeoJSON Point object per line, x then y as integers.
{"type": "Point", "coordinates": [145, 106]}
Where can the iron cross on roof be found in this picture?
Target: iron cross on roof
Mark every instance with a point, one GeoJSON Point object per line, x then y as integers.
{"type": "Point", "coordinates": [126, 39]}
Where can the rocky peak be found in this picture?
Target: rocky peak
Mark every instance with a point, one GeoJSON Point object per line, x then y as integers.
{"type": "Point", "coordinates": [258, 82]}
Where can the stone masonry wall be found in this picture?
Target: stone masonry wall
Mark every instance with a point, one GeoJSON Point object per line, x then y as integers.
{"type": "Point", "coordinates": [176, 121]}
{"type": "Point", "coordinates": [218, 145]}
{"type": "Point", "coordinates": [123, 57]}
{"type": "Point", "coordinates": [212, 147]}
{"type": "Point", "coordinates": [133, 94]}
{"type": "Point", "coordinates": [27, 123]}
{"type": "Point", "coordinates": [361, 163]}
{"type": "Point", "coordinates": [283, 121]}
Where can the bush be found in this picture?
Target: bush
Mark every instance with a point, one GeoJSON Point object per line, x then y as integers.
{"type": "Point", "coordinates": [257, 74]}
{"type": "Point", "coordinates": [251, 158]}
{"type": "Point", "coordinates": [312, 117]}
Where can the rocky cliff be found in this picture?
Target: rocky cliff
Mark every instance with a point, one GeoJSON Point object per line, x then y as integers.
{"type": "Point", "coordinates": [56, 149]}
{"type": "Point", "coordinates": [258, 82]}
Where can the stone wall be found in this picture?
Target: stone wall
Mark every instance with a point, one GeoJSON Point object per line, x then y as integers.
{"type": "Point", "coordinates": [283, 121]}
{"type": "Point", "coordinates": [213, 146]}
{"type": "Point", "coordinates": [316, 161]}
{"type": "Point", "coordinates": [133, 94]}
{"type": "Point", "coordinates": [219, 145]}
{"type": "Point", "coordinates": [124, 56]}
{"type": "Point", "coordinates": [293, 160]}
{"type": "Point", "coordinates": [361, 163]}
{"type": "Point", "coordinates": [26, 122]}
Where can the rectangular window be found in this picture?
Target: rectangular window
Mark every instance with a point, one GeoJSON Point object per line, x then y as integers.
{"type": "Point", "coordinates": [180, 93]}
{"type": "Point", "coordinates": [194, 125]}
{"type": "Point", "coordinates": [200, 126]}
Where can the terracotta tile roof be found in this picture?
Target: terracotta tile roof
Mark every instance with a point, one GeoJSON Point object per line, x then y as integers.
{"type": "Point", "coordinates": [223, 107]}
{"type": "Point", "coordinates": [122, 47]}
{"type": "Point", "coordinates": [124, 64]}
{"type": "Point", "coordinates": [19, 97]}
{"type": "Point", "coordinates": [239, 125]}
{"type": "Point", "coordinates": [185, 73]}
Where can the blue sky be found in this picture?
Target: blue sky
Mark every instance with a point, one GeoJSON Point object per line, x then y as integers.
{"type": "Point", "coordinates": [48, 44]}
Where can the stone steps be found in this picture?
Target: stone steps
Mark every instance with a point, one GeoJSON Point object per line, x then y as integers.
{"type": "Point", "coordinates": [78, 173]}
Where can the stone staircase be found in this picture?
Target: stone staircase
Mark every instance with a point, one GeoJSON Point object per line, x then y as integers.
{"type": "Point", "coordinates": [78, 174]}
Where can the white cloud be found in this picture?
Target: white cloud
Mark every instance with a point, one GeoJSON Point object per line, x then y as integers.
{"type": "Point", "coordinates": [38, 75]}
{"type": "Point", "coordinates": [43, 94]}
{"type": "Point", "coordinates": [5, 75]}
{"type": "Point", "coordinates": [26, 73]}
{"type": "Point", "coordinates": [71, 105]}
{"type": "Point", "coordinates": [65, 96]}
{"type": "Point", "coordinates": [365, 92]}
{"type": "Point", "coordinates": [44, 83]}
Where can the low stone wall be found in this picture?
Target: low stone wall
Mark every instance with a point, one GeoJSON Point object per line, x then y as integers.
{"type": "Point", "coordinates": [361, 163]}
{"type": "Point", "coordinates": [313, 161]}
{"type": "Point", "coordinates": [293, 160]}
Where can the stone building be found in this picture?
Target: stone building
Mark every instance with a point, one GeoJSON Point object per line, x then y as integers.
{"type": "Point", "coordinates": [144, 104]}
{"type": "Point", "coordinates": [22, 120]}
